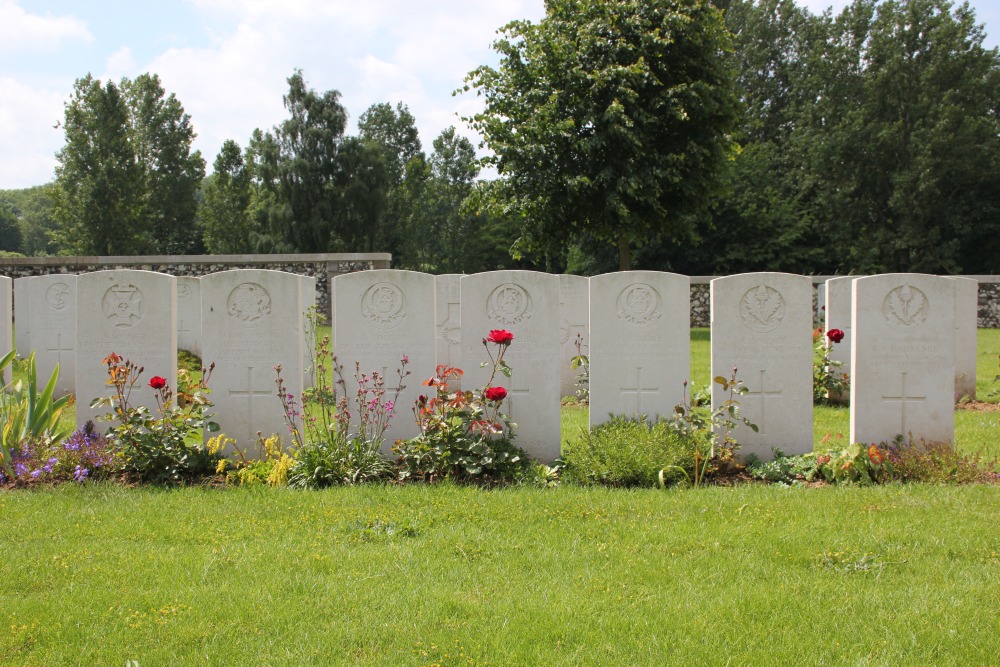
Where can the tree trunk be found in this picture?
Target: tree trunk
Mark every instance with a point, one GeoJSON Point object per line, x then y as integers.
{"type": "Point", "coordinates": [624, 254]}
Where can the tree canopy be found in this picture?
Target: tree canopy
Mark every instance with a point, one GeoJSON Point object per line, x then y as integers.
{"type": "Point", "coordinates": [610, 118]}
{"type": "Point", "coordinates": [126, 178]}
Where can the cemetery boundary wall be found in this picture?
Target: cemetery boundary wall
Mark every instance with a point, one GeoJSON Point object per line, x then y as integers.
{"type": "Point", "coordinates": [989, 299]}
{"type": "Point", "coordinates": [323, 266]}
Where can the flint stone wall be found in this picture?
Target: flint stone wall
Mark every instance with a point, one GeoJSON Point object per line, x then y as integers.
{"type": "Point", "coordinates": [323, 266]}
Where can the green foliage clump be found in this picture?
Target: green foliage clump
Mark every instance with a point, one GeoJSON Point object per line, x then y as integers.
{"type": "Point", "coordinates": [938, 462]}
{"type": "Point", "coordinates": [783, 469]}
{"type": "Point", "coordinates": [27, 415]}
{"type": "Point", "coordinates": [464, 435]}
{"type": "Point", "coordinates": [163, 449]}
{"type": "Point", "coordinates": [630, 452]}
{"type": "Point", "coordinates": [329, 449]}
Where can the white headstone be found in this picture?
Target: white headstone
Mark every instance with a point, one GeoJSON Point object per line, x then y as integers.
{"type": "Point", "coordinates": [134, 315]}
{"type": "Point", "coordinates": [640, 343]}
{"type": "Point", "coordinates": [189, 314]}
{"type": "Point", "coordinates": [253, 321]}
{"type": "Point", "coordinates": [6, 318]}
{"type": "Point", "coordinates": [966, 323]}
{"type": "Point", "coordinates": [22, 316]}
{"type": "Point", "coordinates": [383, 315]}
{"type": "Point", "coordinates": [762, 327]}
{"type": "Point", "coordinates": [574, 321]}
{"type": "Point", "coordinates": [903, 358]}
{"type": "Point", "coordinates": [838, 316]}
{"type": "Point", "coordinates": [526, 303]}
{"type": "Point", "coordinates": [449, 323]}
{"type": "Point", "coordinates": [821, 303]}
{"type": "Point", "coordinates": [51, 314]}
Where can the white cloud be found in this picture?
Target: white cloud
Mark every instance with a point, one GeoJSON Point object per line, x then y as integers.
{"type": "Point", "coordinates": [21, 31]}
{"type": "Point", "coordinates": [28, 140]}
{"type": "Point", "coordinates": [120, 64]}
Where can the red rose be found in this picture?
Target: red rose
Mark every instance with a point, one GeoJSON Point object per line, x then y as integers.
{"type": "Point", "coordinates": [835, 335]}
{"type": "Point", "coordinates": [500, 337]}
{"type": "Point", "coordinates": [156, 382]}
{"type": "Point", "coordinates": [495, 393]}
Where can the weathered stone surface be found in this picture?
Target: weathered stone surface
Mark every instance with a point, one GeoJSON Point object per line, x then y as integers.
{"type": "Point", "coordinates": [382, 316]}
{"type": "Point", "coordinates": [903, 358]}
{"type": "Point", "coordinates": [762, 327]}
{"type": "Point", "coordinates": [134, 315]}
{"type": "Point", "coordinates": [253, 320]}
{"type": "Point", "coordinates": [640, 343]}
{"type": "Point", "coordinates": [47, 307]}
{"type": "Point", "coordinates": [966, 336]}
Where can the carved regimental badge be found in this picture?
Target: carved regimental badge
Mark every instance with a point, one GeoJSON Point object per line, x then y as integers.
{"type": "Point", "coordinates": [57, 296]}
{"type": "Point", "coordinates": [249, 304]}
{"type": "Point", "coordinates": [123, 305]}
{"type": "Point", "coordinates": [183, 291]}
{"type": "Point", "coordinates": [639, 304]}
{"type": "Point", "coordinates": [383, 305]}
{"type": "Point", "coordinates": [509, 304]}
{"type": "Point", "coordinates": [905, 307]}
{"type": "Point", "coordinates": [762, 309]}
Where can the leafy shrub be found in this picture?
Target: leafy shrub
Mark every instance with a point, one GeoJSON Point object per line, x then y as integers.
{"type": "Point", "coordinates": [163, 449]}
{"type": "Point", "coordinates": [630, 452]}
{"type": "Point", "coordinates": [329, 449]}
{"type": "Point", "coordinates": [463, 434]}
{"type": "Point", "coordinates": [938, 462]}
{"type": "Point", "coordinates": [783, 469]}
{"type": "Point", "coordinates": [271, 467]}
{"type": "Point", "coordinates": [855, 464]}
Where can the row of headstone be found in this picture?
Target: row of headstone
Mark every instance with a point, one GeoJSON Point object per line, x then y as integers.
{"type": "Point", "coordinates": [634, 326]}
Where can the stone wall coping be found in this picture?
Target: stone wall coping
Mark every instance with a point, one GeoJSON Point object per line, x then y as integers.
{"type": "Point", "coordinates": [138, 260]}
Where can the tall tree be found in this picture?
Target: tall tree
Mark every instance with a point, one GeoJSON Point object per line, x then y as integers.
{"type": "Point", "coordinates": [100, 186]}
{"type": "Point", "coordinates": [10, 231]}
{"type": "Point", "coordinates": [299, 165]}
{"type": "Point", "coordinates": [162, 135]}
{"type": "Point", "coordinates": [393, 132]}
{"type": "Point", "coordinates": [225, 216]}
{"type": "Point", "coordinates": [126, 178]}
{"type": "Point", "coordinates": [609, 117]}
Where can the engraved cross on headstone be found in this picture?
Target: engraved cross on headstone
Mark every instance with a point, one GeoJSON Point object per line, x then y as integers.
{"type": "Point", "coordinates": [638, 390]}
{"type": "Point", "coordinates": [250, 394]}
{"type": "Point", "coordinates": [903, 399]}
{"type": "Point", "coordinates": [764, 395]}
{"type": "Point", "coordinates": [58, 349]}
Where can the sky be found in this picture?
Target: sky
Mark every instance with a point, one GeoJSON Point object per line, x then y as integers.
{"type": "Point", "coordinates": [227, 61]}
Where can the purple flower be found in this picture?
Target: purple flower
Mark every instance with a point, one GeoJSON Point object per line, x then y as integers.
{"type": "Point", "coordinates": [20, 469]}
{"type": "Point", "coordinates": [80, 473]}
{"type": "Point", "coordinates": [35, 474]}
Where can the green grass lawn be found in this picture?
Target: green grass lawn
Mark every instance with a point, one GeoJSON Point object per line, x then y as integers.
{"type": "Point", "coordinates": [418, 575]}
